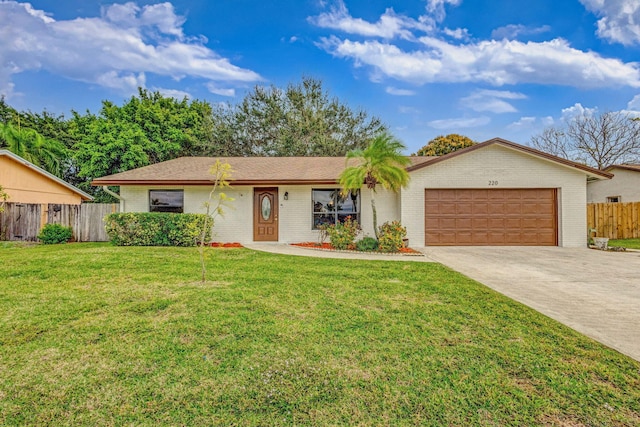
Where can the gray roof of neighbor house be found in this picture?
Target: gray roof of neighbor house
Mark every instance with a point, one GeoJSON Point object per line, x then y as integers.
{"type": "Point", "coordinates": [28, 164]}
{"type": "Point", "coordinates": [246, 171]}
{"type": "Point", "coordinates": [292, 170]}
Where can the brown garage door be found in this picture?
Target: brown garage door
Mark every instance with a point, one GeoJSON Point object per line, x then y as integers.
{"type": "Point", "coordinates": [471, 217]}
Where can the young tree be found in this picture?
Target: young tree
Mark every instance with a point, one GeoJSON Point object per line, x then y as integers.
{"type": "Point", "coordinates": [214, 206]}
{"type": "Point", "coordinates": [441, 145]}
{"type": "Point", "coordinates": [598, 141]}
{"type": "Point", "coordinates": [301, 120]}
{"type": "Point", "coordinates": [3, 198]}
{"type": "Point", "coordinates": [381, 163]}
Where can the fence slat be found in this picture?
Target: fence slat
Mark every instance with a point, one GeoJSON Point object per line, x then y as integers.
{"type": "Point", "coordinates": [22, 221]}
{"type": "Point", "coordinates": [614, 220]}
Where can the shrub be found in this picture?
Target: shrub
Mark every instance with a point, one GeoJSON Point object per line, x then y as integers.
{"type": "Point", "coordinates": [156, 228]}
{"type": "Point", "coordinates": [367, 244]}
{"type": "Point", "coordinates": [390, 236]}
{"type": "Point", "coordinates": [55, 233]}
{"type": "Point", "coordinates": [343, 234]}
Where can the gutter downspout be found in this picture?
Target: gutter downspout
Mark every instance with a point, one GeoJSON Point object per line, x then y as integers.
{"type": "Point", "coordinates": [116, 195]}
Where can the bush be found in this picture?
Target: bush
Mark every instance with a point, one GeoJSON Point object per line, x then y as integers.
{"type": "Point", "coordinates": [367, 244]}
{"type": "Point", "coordinates": [390, 236]}
{"type": "Point", "coordinates": [343, 234]}
{"type": "Point", "coordinates": [55, 233]}
{"type": "Point", "coordinates": [156, 229]}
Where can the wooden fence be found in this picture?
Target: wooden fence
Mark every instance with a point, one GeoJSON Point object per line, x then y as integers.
{"type": "Point", "coordinates": [22, 221]}
{"type": "Point", "coordinates": [614, 220]}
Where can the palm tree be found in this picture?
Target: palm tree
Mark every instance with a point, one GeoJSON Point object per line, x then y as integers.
{"type": "Point", "coordinates": [380, 163]}
{"type": "Point", "coordinates": [33, 147]}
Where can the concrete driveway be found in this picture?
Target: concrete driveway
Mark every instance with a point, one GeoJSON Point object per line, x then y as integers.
{"type": "Point", "coordinates": [594, 292]}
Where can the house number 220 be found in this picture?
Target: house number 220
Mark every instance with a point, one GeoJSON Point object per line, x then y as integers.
{"type": "Point", "coordinates": [493, 183]}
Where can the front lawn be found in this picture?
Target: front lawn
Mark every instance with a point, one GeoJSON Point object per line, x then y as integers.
{"type": "Point", "coordinates": [625, 243]}
{"type": "Point", "coordinates": [92, 334]}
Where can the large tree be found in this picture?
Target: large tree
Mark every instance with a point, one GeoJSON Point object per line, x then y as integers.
{"type": "Point", "coordinates": [381, 163]}
{"type": "Point", "coordinates": [441, 145]}
{"type": "Point", "coordinates": [596, 140]}
{"type": "Point", "coordinates": [301, 120]}
{"type": "Point", "coordinates": [148, 128]}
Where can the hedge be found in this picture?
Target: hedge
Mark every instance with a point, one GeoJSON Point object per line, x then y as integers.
{"type": "Point", "coordinates": [156, 229]}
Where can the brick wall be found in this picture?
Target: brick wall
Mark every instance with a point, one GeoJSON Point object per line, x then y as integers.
{"type": "Point", "coordinates": [508, 168]}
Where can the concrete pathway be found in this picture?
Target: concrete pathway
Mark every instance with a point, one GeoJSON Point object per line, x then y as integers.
{"type": "Point", "coordinates": [284, 249]}
{"type": "Point", "coordinates": [594, 292]}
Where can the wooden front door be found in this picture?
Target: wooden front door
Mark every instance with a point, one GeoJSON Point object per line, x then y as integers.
{"type": "Point", "coordinates": [265, 214]}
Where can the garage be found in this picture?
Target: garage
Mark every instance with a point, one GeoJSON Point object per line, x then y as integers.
{"type": "Point", "coordinates": [491, 217]}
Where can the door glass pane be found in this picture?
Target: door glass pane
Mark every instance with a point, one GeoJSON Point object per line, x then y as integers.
{"type": "Point", "coordinates": [266, 207]}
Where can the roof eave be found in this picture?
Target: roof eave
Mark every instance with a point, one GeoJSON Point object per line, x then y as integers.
{"type": "Point", "coordinates": [99, 182]}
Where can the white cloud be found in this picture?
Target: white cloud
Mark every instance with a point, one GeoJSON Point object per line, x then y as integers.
{"type": "Point", "coordinates": [577, 110]}
{"type": "Point", "coordinates": [513, 31]}
{"type": "Point", "coordinates": [115, 50]}
{"type": "Point", "coordinates": [634, 104]}
{"type": "Point", "coordinates": [408, 110]}
{"type": "Point", "coordinates": [523, 123]}
{"type": "Point", "coordinates": [494, 62]}
{"type": "Point", "coordinates": [458, 33]}
{"type": "Point", "coordinates": [220, 90]}
{"type": "Point", "coordinates": [390, 25]}
{"type": "Point", "coordinates": [436, 7]}
{"type": "Point", "coordinates": [492, 101]}
{"type": "Point", "coordinates": [457, 123]}
{"type": "Point", "coordinates": [173, 93]}
{"type": "Point", "coordinates": [399, 92]}
{"type": "Point", "coordinates": [620, 19]}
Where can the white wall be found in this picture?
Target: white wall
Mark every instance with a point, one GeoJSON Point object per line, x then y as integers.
{"type": "Point", "coordinates": [625, 184]}
{"type": "Point", "coordinates": [295, 214]}
{"type": "Point", "coordinates": [511, 169]}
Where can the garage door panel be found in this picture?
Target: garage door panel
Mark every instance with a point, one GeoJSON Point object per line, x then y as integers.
{"type": "Point", "coordinates": [491, 217]}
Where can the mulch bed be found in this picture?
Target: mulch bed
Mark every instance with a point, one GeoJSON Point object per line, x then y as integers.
{"type": "Point", "coordinates": [225, 245]}
{"type": "Point", "coordinates": [328, 247]}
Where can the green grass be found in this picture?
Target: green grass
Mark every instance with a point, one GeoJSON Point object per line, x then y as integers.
{"type": "Point", "coordinates": [625, 243]}
{"type": "Point", "coordinates": [97, 335]}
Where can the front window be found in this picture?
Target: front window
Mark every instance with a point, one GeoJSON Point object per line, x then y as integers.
{"type": "Point", "coordinates": [166, 201]}
{"type": "Point", "coordinates": [330, 206]}
{"type": "Point", "coordinates": [613, 199]}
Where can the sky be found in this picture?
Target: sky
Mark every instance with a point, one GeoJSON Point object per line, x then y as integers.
{"type": "Point", "coordinates": [480, 68]}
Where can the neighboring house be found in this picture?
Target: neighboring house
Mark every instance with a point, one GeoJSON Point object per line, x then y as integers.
{"type": "Point", "coordinates": [623, 187]}
{"type": "Point", "coordinates": [25, 182]}
{"type": "Point", "coordinates": [493, 193]}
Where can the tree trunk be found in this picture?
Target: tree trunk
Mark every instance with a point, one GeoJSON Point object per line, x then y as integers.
{"type": "Point", "coordinates": [375, 214]}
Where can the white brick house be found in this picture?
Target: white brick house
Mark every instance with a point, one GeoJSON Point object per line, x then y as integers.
{"type": "Point", "coordinates": [494, 193]}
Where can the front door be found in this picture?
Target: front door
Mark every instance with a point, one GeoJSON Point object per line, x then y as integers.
{"type": "Point", "coordinates": [265, 214]}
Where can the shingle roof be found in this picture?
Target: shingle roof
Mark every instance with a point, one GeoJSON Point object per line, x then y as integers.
{"type": "Point", "coordinates": [246, 170]}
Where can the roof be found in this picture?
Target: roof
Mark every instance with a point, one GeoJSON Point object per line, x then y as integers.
{"type": "Point", "coordinates": [590, 172]}
{"type": "Point", "coordinates": [246, 171]}
{"type": "Point", "coordinates": [292, 170]}
{"type": "Point", "coordinates": [43, 172]}
{"type": "Point", "coordinates": [635, 168]}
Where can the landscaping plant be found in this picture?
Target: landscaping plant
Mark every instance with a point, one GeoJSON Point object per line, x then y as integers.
{"type": "Point", "coordinates": [55, 233]}
{"type": "Point", "coordinates": [367, 244]}
{"type": "Point", "coordinates": [391, 236]}
{"type": "Point", "coordinates": [343, 234]}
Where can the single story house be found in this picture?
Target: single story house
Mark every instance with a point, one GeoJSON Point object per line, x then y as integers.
{"type": "Point", "coordinates": [623, 187]}
{"type": "Point", "coordinates": [493, 193]}
{"type": "Point", "coordinates": [25, 182]}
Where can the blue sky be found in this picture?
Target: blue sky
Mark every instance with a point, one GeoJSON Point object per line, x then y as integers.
{"type": "Point", "coordinates": [481, 68]}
